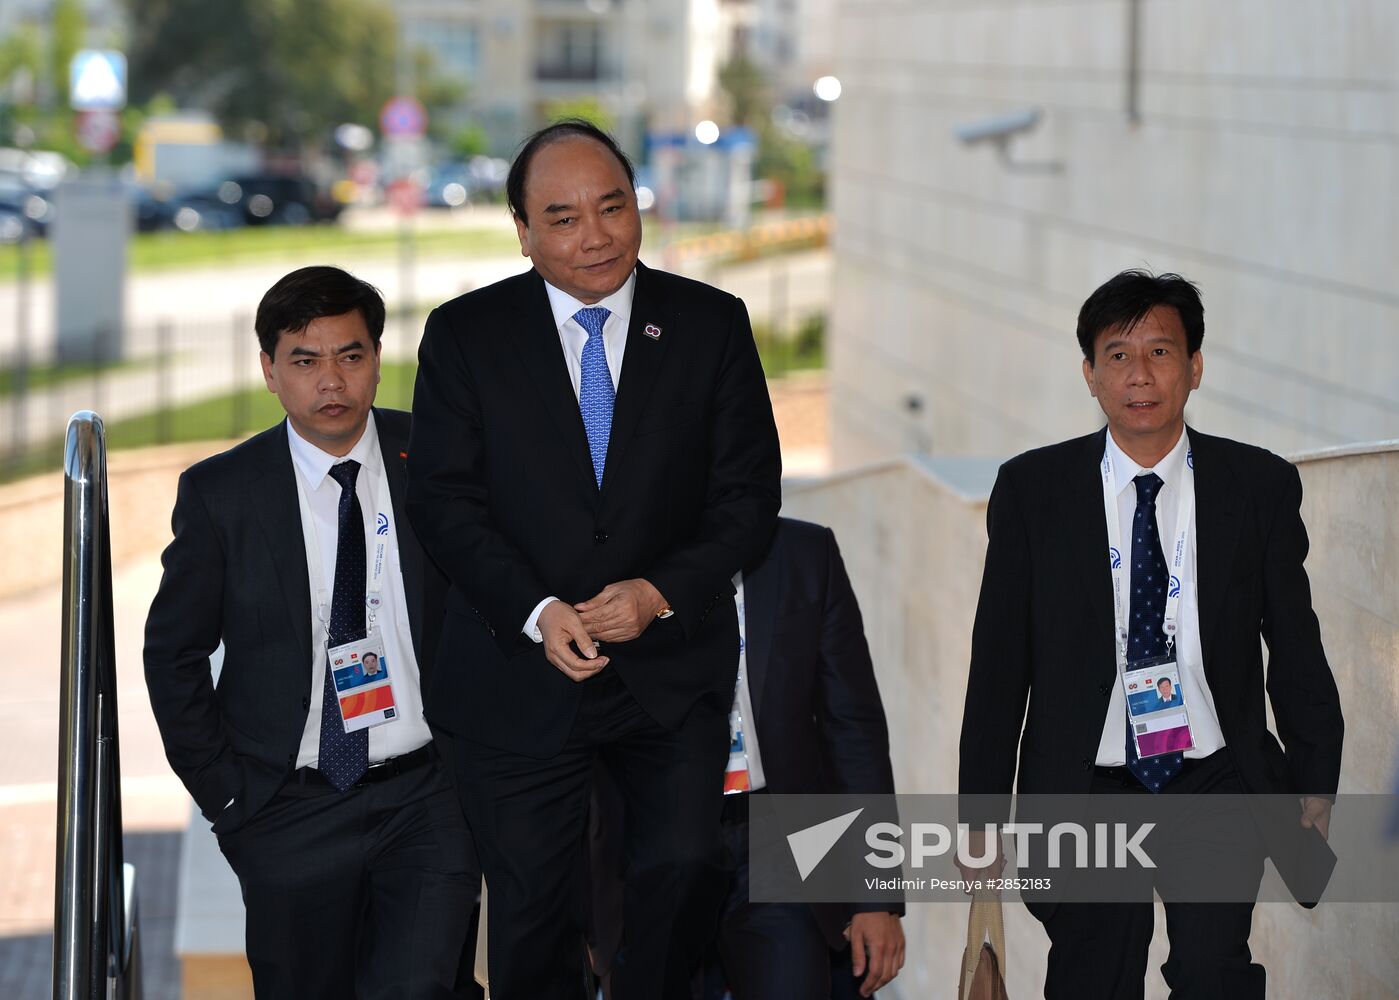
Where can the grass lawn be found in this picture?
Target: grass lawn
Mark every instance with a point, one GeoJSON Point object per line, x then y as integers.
{"type": "Point", "coordinates": [237, 414]}
{"type": "Point", "coordinates": [46, 375]}
{"type": "Point", "coordinates": [172, 250]}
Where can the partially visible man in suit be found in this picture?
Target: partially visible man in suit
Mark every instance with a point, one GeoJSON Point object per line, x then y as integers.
{"type": "Point", "coordinates": [594, 456]}
{"type": "Point", "coordinates": [806, 719]}
{"type": "Point", "coordinates": [1201, 540]}
{"type": "Point", "coordinates": [355, 862]}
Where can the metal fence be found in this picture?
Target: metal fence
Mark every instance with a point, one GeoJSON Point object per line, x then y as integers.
{"type": "Point", "coordinates": [194, 381]}
{"type": "Point", "coordinates": [171, 381]}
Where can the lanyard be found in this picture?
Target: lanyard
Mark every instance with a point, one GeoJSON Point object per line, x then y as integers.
{"type": "Point", "coordinates": [743, 745]}
{"type": "Point", "coordinates": [1120, 562]}
{"type": "Point", "coordinates": [742, 623]}
{"type": "Point", "coordinates": [383, 525]}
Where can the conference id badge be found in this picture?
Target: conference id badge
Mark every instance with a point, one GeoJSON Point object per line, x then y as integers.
{"type": "Point", "coordinates": [1156, 707]}
{"type": "Point", "coordinates": [363, 687]}
{"type": "Point", "coordinates": [736, 772]}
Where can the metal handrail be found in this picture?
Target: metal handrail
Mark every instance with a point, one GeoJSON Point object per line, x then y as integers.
{"type": "Point", "coordinates": [95, 940]}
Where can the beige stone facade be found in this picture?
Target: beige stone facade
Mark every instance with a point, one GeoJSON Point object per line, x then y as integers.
{"type": "Point", "coordinates": [1261, 164]}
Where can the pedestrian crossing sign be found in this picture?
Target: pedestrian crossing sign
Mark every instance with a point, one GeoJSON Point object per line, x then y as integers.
{"type": "Point", "coordinates": [97, 80]}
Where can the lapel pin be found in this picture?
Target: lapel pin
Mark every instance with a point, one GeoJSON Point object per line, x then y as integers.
{"type": "Point", "coordinates": [653, 331]}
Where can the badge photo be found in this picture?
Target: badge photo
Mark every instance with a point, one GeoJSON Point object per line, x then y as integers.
{"type": "Point", "coordinates": [363, 686]}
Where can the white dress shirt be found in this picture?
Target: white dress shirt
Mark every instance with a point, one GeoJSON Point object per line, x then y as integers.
{"type": "Point", "coordinates": [572, 337]}
{"type": "Point", "coordinates": [409, 731]}
{"type": "Point", "coordinates": [1199, 703]}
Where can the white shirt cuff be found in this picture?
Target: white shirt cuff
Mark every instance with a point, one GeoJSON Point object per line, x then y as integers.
{"type": "Point", "coordinates": [531, 628]}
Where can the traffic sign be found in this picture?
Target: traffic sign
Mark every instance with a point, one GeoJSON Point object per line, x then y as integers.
{"type": "Point", "coordinates": [403, 118]}
{"type": "Point", "coordinates": [97, 80]}
{"type": "Point", "coordinates": [98, 131]}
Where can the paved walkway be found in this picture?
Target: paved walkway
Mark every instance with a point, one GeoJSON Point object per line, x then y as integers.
{"type": "Point", "coordinates": [153, 802]}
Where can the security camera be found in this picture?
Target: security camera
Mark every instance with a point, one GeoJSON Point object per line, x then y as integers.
{"type": "Point", "coordinates": [999, 131]}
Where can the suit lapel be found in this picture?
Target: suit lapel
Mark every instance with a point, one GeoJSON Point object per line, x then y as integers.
{"type": "Point", "coordinates": [537, 341]}
{"type": "Point", "coordinates": [278, 513]}
{"type": "Point", "coordinates": [762, 595]}
{"type": "Point", "coordinates": [410, 554]}
{"type": "Point", "coordinates": [1216, 534]}
{"type": "Point", "coordinates": [1087, 535]}
{"type": "Point", "coordinates": [640, 363]}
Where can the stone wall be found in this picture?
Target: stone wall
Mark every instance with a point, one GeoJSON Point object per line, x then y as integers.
{"type": "Point", "coordinates": [1261, 165]}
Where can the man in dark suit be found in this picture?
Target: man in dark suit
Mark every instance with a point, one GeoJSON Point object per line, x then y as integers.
{"type": "Point", "coordinates": [594, 457]}
{"type": "Point", "coordinates": [355, 862]}
{"type": "Point", "coordinates": [806, 720]}
{"type": "Point", "coordinates": [1073, 597]}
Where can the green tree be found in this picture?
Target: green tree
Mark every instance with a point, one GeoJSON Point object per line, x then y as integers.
{"type": "Point", "coordinates": [782, 157]}
{"type": "Point", "coordinates": [289, 69]}
{"type": "Point", "coordinates": [69, 27]}
{"type": "Point", "coordinates": [589, 109]}
{"type": "Point", "coordinates": [470, 141]}
{"type": "Point", "coordinates": [21, 68]}
{"type": "Point", "coordinates": [747, 90]}
{"type": "Point", "coordinates": [438, 93]}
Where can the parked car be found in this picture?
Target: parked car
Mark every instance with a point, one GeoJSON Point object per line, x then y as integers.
{"type": "Point", "coordinates": [12, 225]}
{"type": "Point", "coordinates": [19, 201]}
{"type": "Point", "coordinates": [186, 212]}
{"type": "Point", "coordinates": [450, 185]}
{"type": "Point", "coordinates": [278, 199]}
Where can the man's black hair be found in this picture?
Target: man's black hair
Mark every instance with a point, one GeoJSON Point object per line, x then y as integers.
{"type": "Point", "coordinates": [310, 293]}
{"type": "Point", "coordinates": [1124, 300]}
{"type": "Point", "coordinates": [564, 128]}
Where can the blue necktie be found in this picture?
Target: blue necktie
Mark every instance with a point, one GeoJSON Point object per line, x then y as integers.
{"type": "Point", "coordinates": [1146, 611]}
{"type": "Point", "coordinates": [344, 757]}
{"type": "Point", "coordinates": [595, 392]}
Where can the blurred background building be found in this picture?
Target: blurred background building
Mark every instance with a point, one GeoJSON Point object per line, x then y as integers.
{"type": "Point", "coordinates": [1250, 145]}
{"type": "Point", "coordinates": [647, 63]}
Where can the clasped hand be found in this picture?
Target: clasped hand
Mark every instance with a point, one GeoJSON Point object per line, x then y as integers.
{"type": "Point", "coordinates": [618, 613]}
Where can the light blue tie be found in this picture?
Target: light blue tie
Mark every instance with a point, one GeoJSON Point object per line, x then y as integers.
{"type": "Point", "coordinates": [595, 392]}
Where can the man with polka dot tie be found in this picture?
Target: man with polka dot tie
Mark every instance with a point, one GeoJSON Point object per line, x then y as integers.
{"type": "Point", "coordinates": [594, 457]}
{"type": "Point", "coordinates": [1203, 539]}
{"type": "Point", "coordinates": [356, 866]}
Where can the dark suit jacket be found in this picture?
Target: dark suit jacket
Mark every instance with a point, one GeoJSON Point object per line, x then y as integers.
{"type": "Point", "coordinates": [236, 572]}
{"type": "Point", "coordinates": [502, 492]}
{"type": "Point", "coordinates": [820, 721]}
{"type": "Point", "coordinates": [1044, 628]}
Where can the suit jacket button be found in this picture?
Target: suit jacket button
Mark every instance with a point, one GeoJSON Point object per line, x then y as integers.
{"type": "Point", "coordinates": [305, 702]}
{"type": "Point", "coordinates": [599, 537]}
{"type": "Point", "coordinates": [1087, 764]}
{"type": "Point", "coordinates": [1104, 688]}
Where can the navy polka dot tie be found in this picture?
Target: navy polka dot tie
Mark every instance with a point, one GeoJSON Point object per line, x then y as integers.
{"type": "Point", "coordinates": [595, 392]}
{"type": "Point", "coordinates": [344, 757]}
{"type": "Point", "coordinates": [1146, 613]}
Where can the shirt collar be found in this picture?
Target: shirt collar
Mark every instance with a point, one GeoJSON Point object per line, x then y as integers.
{"type": "Point", "coordinates": [1170, 469]}
{"type": "Point", "coordinates": [564, 305]}
{"type": "Point", "coordinates": [315, 464]}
